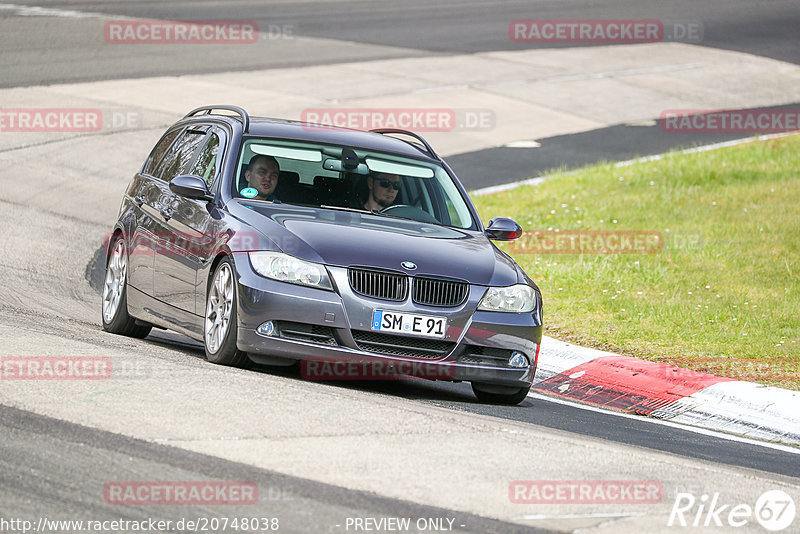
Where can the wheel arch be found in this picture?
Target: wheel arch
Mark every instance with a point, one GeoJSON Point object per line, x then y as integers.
{"type": "Point", "coordinates": [112, 238]}
{"type": "Point", "coordinates": [212, 268]}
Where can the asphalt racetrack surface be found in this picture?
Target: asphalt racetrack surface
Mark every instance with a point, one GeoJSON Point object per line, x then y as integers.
{"type": "Point", "coordinates": [320, 453]}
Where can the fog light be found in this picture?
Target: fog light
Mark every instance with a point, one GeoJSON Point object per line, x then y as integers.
{"type": "Point", "coordinates": [267, 329]}
{"type": "Point", "coordinates": [517, 360]}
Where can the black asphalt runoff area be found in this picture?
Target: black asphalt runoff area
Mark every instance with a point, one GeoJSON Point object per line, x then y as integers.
{"type": "Point", "coordinates": [495, 166]}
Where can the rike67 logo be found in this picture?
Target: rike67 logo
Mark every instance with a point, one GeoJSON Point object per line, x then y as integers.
{"type": "Point", "coordinates": [774, 510]}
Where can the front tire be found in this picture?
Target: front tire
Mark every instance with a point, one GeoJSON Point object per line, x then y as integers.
{"type": "Point", "coordinates": [492, 394]}
{"type": "Point", "coordinates": [115, 295]}
{"type": "Point", "coordinates": [219, 326]}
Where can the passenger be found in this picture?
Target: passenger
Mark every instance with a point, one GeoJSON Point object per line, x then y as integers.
{"type": "Point", "coordinates": [383, 189]}
{"type": "Point", "coordinates": [262, 174]}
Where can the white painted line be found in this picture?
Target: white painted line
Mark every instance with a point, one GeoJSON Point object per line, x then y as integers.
{"type": "Point", "coordinates": [492, 189]}
{"type": "Point", "coordinates": [525, 143]}
{"type": "Point", "coordinates": [609, 515]}
{"type": "Point", "coordinates": [696, 429]}
{"type": "Point", "coordinates": [645, 123]}
{"type": "Point", "coordinates": [704, 148]}
{"type": "Point", "coordinates": [505, 187]}
{"type": "Point", "coordinates": [36, 11]}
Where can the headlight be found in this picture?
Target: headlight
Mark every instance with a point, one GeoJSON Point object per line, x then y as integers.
{"type": "Point", "coordinates": [280, 266]}
{"type": "Point", "coordinates": [516, 299]}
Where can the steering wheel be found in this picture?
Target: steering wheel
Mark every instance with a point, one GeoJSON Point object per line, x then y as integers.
{"type": "Point", "coordinates": [395, 207]}
{"type": "Point", "coordinates": [407, 211]}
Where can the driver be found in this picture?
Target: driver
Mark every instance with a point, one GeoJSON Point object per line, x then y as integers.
{"type": "Point", "coordinates": [383, 189]}
{"type": "Point", "coordinates": [262, 174]}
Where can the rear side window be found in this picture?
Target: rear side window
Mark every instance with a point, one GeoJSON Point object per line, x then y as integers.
{"type": "Point", "coordinates": [206, 164]}
{"type": "Point", "coordinates": [158, 152]}
{"type": "Point", "coordinates": [182, 152]}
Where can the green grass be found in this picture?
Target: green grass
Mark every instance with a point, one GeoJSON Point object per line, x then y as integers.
{"type": "Point", "coordinates": [722, 296]}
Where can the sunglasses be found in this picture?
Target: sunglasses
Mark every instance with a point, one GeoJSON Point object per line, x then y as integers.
{"type": "Point", "coordinates": [386, 184]}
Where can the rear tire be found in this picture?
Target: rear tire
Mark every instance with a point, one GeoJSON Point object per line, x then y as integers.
{"type": "Point", "coordinates": [220, 323]}
{"type": "Point", "coordinates": [115, 295]}
{"type": "Point", "coordinates": [492, 394]}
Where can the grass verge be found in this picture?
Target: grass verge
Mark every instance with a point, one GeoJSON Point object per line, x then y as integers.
{"type": "Point", "coordinates": [720, 293]}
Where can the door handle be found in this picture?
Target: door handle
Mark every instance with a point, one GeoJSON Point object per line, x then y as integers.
{"type": "Point", "coordinates": [166, 213]}
{"type": "Point", "coordinates": [139, 200]}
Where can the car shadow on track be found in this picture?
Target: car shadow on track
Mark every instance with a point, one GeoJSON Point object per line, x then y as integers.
{"type": "Point", "coordinates": [436, 392]}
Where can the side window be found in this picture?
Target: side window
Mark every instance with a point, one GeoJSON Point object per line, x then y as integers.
{"type": "Point", "coordinates": [181, 154]}
{"type": "Point", "coordinates": [206, 164]}
{"type": "Point", "coordinates": [158, 152]}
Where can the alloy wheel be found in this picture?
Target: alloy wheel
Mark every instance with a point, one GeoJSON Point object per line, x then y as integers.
{"type": "Point", "coordinates": [114, 285]}
{"type": "Point", "coordinates": [218, 308]}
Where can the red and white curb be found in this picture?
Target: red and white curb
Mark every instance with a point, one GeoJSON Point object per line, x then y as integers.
{"type": "Point", "coordinates": [667, 392]}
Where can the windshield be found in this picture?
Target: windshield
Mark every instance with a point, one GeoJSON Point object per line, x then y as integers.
{"type": "Point", "coordinates": [338, 177]}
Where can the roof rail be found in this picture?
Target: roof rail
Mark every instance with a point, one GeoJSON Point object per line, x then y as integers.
{"type": "Point", "coordinates": [422, 140]}
{"type": "Point", "coordinates": [236, 109]}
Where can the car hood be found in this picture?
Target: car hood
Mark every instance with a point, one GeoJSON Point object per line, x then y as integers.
{"type": "Point", "coordinates": [342, 238]}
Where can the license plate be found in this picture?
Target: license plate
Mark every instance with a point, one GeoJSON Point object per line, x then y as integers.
{"type": "Point", "coordinates": [409, 323]}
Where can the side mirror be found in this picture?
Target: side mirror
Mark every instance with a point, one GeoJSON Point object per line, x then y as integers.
{"type": "Point", "coordinates": [503, 229]}
{"type": "Point", "coordinates": [190, 186]}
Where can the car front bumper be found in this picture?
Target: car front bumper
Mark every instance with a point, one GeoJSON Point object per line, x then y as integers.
{"type": "Point", "coordinates": [333, 328]}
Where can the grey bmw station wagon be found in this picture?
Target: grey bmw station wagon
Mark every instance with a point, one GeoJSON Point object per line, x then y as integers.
{"type": "Point", "coordinates": [357, 254]}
